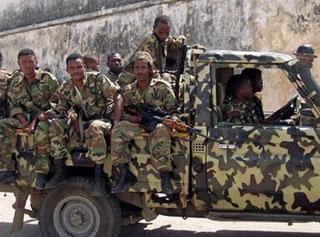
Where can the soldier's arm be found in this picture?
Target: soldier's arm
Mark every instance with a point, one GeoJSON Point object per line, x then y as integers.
{"type": "Point", "coordinates": [53, 84]}
{"type": "Point", "coordinates": [149, 45]}
{"type": "Point", "coordinates": [15, 95]}
{"type": "Point", "coordinates": [111, 91]}
{"type": "Point", "coordinates": [169, 100]}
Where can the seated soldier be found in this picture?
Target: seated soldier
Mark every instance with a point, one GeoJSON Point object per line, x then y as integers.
{"type": "Point", "coordinates": [88, 100]}
{"type": "Point", "coordinates": [255, 77]}
{"type": "Point", "coordinates": [237, 107]}
{"type": "Point", "coordinates": [30, 93]}
{"type": "Point", "coordinates": [153, 92]}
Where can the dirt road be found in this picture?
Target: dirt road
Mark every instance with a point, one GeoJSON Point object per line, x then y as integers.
{"type": "Point", "coordinates": [173, 227]}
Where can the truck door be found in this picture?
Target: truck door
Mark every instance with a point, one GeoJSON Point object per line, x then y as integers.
{"type": "Point", "coordinates": [266, 168]}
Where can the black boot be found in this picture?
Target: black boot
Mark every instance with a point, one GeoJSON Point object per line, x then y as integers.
{"type": "Point", "coordinates": [41, 181]}
{"type": "Point", "coordinates": [99, 186]}
{"type": "Point", "coordinates": [59, 175]}
{"type": "Point", "coordinates": [166, 184]}
{"type": "Point", "coordinates": [125, 179]}
{"type": "Point", "coordinates": [7, 177]}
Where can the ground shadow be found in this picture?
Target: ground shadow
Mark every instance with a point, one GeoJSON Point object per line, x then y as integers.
{"type": "Point", "coordinates": [28, 230]}
{"type": "Point", "coordinates": [139, 230]}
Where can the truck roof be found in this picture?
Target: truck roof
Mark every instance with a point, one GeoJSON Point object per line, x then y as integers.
{"type": "Point", "coordinates": [229, 56]}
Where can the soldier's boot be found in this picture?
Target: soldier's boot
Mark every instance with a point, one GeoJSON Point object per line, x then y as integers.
{"type": "Point", "coordinates": [41, 181]}
{"type": "Point", "coordinates": [59, 175]}
{"type": "Point", "coordinates": [125, 179]}
{"type": "Point", "coordinates": [166, 184]}
{"type": "Point", "coordinates": [8, 177]}
{"type": "Point", "coordinates": [99, 186]}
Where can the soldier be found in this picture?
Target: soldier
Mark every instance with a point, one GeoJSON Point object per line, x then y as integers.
{"type": "Point", "coordinates": [88, 100]}
{"type": "Point", "coordinates": [157, 93]}
{"type": "Point", "coordinates": [255, 77]}
{"type": "Point", "coordinates": [5, 79]}
{"type": "Point", "coordinates": [29, 95]}
{"type": "Point", "coordinates": [237, 108]}
{"type": "Point", "coordinates": [160, 43]}
{"type": "Point", "coordinates": [114, 63]}
{"type": "Point", "coordinates": [91, 63]}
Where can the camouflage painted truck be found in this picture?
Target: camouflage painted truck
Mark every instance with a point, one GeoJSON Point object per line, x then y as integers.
{"type": "Point", "coordinates": [260, 172]}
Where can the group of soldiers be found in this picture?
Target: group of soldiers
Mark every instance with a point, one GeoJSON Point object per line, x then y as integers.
{"type": "Point", "coordinates": [88, 110]}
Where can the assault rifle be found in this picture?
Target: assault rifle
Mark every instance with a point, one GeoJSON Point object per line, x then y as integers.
{"type": "Point", "coordinates": [73, 121]}
{"type": "Point", "coordinates": [180, 68]}
{"type": "Point", "coordinates": [151, 116]}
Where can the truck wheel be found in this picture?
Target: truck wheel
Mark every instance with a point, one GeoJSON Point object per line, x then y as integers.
{"type": "Point", "coordinates": [70, 210]}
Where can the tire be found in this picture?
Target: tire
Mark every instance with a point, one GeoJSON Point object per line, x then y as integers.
{"type": "Point", "coordinates": [70, 210]}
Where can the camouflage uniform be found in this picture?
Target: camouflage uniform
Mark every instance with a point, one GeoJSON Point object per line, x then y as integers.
{"type": "Point", "coordinates": [158, 94]}
{"type": "Point", "coordinates": [257, 105]}
{"type": "Point", "coordinates": [28, 100]}
{"type": "Point", "coordinates": [240, 112]}
{"type": "Point", "coordinates": [96, 98]}
{"type": "Point", "coordinates": [160, 50]}
{"type": "Point", "coordinates": [5, 79]}
{"type": "Point", "coordinates": [112, 76]}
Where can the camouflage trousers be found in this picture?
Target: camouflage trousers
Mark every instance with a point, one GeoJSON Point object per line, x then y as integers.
{"type": "Point", "coordinates": [8, 144]}
{"type": "Point", "coordinates": [64, 138]}
{"type": "Point", "coordinates": [159, 148]}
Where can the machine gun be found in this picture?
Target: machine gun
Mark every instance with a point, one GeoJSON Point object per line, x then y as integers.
{"type": "Point", "coordinates": [180, 68]}
{"type": "Point", "coordinates": [152, 116]}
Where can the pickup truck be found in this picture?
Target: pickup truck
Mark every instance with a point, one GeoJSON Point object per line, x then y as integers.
{"type": "Point", "coordinates": [259, 172]}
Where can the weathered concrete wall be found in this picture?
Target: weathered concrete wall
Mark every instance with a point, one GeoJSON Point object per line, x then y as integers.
{"type": "Point", "coordinates": [273, 25]}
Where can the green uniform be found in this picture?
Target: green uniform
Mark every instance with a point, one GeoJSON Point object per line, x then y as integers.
{"type": "Point", "coordinates": [160, 50]}
{"type": "Point", "coordinates": [158, 94]}
{"type": "Point", "coordinates": [112, 76]}
{"type": "Point", "coordinates": [240, 112]}
{"type": "Point", "coordinates": [93, 104]}
{"type": "Point", "coordinates": [28, 100]}
{"type": "Point", "coordinates": [5, 79]}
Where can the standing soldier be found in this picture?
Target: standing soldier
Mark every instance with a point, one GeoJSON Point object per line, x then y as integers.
{"type": "Point", "coordinates": [29, 95]}
{"type": "Point", "coordinates": [88, 100]}
{"type": "Point", "coordinates": [144, 90]}
{"type": "Point", "coordinates": [114, 63]}
{"type": "Point", "coordinates": [160, 43]}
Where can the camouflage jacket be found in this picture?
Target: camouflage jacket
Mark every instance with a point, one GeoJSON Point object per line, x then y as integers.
{"type": "Point", "coordinates": [31, 99]}
{"type": "Point", "coordinates": [96, 97]}
{"type": "Point", "coordinates": [112, 76]}
{"type": "Point", "coordinates": [158, 94]}
{"type": "Point", "coordinates": [239, 112]}
{"type": "Point", "coordinates": [257, 106]}
{"type": "Point", "coordinates": [160, 50]}
{"type": "Point", "coordinates": [5, 80]}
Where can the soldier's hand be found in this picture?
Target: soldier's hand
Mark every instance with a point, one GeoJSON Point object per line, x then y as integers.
{"type": "Point", "coordinates": [72, 115]}
{"type": "Point", "coordinates": [43, 116]}
{"type": "Point", "coordinates": [29, 129]}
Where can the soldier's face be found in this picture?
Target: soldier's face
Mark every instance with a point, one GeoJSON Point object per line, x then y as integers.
{"type": "Point", "coordinates": [115, 63]}
{"type": "Point", "coordinates": [142, 70]}
{"type": "Point", "coordinates": [76, 69]}
{"type": "Point", "coordinates": [246, 90]}
{"type": "Point", "coordinates": [162, 31]}
{"type": "Point", "coordinates": [93, 65]}
{"type": "Point", "coordinates": [28, 64]}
